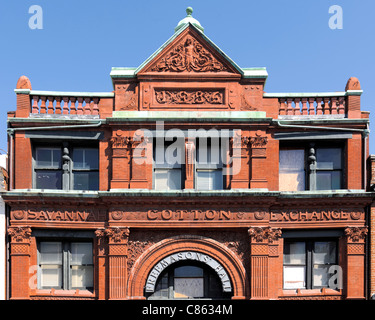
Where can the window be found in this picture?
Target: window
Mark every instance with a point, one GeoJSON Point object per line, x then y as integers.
{"type": "Point", "coordinates": [65, 265]}
{"type": "Point", "coordinates": [48, 174]}
{"type": "Point", "coordinates": [66, 167]}
{"type": "Point", "coordinates": [292, 170]}
{"type": "Point", "coordinates": [310, 168]}
{"type": "Point", "coordinates": [328, 168]}
{"type": "Point", "coordinates": [85, 169]}
{"type": "Point", "coordinates": [307, 263]}
{"type": "Point", "coordinates": [168, 165]}
{"type": "Point", "coordinates": [209, 165]}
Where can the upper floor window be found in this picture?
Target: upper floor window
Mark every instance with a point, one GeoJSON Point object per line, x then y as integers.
{"type": "Point", "coordinates": [65, 265]}
{"type": "Point", "coordinates": [85, 171]}
{"type": "Point", "coordinates": [209, 165]}
{"type": "Point", "coordinates": [68, 168]}
{"type": "Point", "coordinates": [168, 165]}
{"type": "Point", "coordinates": [310, 168]}
{"type": "Point", "coordinates": [48, 168]}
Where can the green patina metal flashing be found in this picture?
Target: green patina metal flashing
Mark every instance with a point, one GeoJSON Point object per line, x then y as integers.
{"type": "Point", "coordinates": [191, 116]}
{"type": "Point", "coordinates": [313, 94]}
{"type": "Point", "coordinates": [41, 193]}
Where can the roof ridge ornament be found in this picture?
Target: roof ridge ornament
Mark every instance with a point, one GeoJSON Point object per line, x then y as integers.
{"type": "Point", "coordinates": [189, 19]}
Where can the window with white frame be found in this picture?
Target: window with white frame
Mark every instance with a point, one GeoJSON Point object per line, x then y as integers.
{"type": "Point", "coordinates": [307, 263]}
{"type": "Point", "coordinates": [209, 164]}
{"type": "Point", "coordinates": [65, 265]}
{"type": "Point", "coordinates": [168, 164]}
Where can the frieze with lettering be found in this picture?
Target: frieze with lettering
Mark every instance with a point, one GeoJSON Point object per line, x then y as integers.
{"type": "Point", "coordinates": [323, 215]}
{"type": "Point", "coordinates": [83, 215]}
{"type": "Point", "coordinates": [188, 215]}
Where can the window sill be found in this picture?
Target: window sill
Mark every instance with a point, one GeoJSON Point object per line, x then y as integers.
{"type": "Point", "coordinates": [76, 293]}
{"type": "Point", "coordinates": [287, 293]}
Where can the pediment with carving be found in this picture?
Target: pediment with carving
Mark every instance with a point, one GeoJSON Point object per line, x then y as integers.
{"type": "Point", "coordinates": [189, 53]}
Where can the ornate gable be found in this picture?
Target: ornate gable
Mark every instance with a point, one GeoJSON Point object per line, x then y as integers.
{"type": "Point", "coordinates": [189, 52]}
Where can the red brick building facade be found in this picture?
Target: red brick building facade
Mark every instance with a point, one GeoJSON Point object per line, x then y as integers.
{"type": "Point", "coordinates": [283, 214]}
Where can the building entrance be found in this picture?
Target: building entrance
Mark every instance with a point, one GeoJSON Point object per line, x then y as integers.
{"type": "Point", "coordinates": [189, 280]}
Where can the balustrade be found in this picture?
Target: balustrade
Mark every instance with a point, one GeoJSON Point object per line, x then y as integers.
{"type": "Point", "coordinates": [308, 106]}
{"type": "Point", "coordinates": [66, 103]}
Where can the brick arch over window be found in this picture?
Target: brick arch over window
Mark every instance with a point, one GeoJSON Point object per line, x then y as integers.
{"type": "Point", "coordinates": [145, 263]}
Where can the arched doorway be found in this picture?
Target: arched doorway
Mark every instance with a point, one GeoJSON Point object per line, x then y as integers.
{"type": "Point", "coordinates": [188, 280]}
{"type": "Point", "coordinates": [216, 260]}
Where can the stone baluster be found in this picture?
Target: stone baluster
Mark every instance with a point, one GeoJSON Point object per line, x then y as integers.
{"type": "Point", "coordinates": [95, 109]}
{"type": "Point", "coordinates": [58, 105]}
{"type": "Point", "coordinates": [297, 110]}
{"type": "Point", "coordinates": [87, 109]}
{"type": "Point", "coordinates": [50, 105]}
{"type": "Point", "coordinates": [319, 108]}
{"type": "Point", "coordinates": [80, 107]}
{"type": "Point", "coordinates": [305, 111]}
{"type": "Point", "coordinates": [334, 106]}
{"type": "Point", "coordinates": [35, 108]}
{"type": "Point", "coordinates": [289, 110]}
{"type": "Point", "coordinates": [341, 108]}
{"type": "Point", "coordinates": [66, 105]}
{"type": "Point", "coordinates": [73, 109]}
{"type": "Point", "coordinates": [311, 106]}
{"type": "Point", "coordinates": [326, 109]}
{"type": "Point", "coordinates": [43, 108]}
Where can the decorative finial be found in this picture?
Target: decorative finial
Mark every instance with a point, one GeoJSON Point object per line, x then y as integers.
{"type": "Point", "coordinates": [189, 11]}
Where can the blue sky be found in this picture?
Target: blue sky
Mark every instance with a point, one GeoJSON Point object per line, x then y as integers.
{"type": "Point", "coordinates": [81, 41]}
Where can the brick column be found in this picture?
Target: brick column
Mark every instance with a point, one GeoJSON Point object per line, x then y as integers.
{"type": "Point", "coordinates": [353, 100]}
{"type": "Point", "coordinates": [101, 263]}
{"type": "Point", "coordinates": [141, 162]}
{"type": "Point", "coordinates": [262, 247]}
{"type": "Point", "coordinates": [372, 252]}
{"type": "Point", "coordinates": [355, 262]}
{"type": "Point", "coordinates": [121, 157]}
{"type": "Point", "coordinates": [258, 161]}
{"type": "Point", "coordinates": [117, 261]}
{"type": "Point", "coordinates": [240, 162]}
{"type": "Point", "coordinates": [19, 262]}
{"type": "Point", "coordinates": [189, 163]}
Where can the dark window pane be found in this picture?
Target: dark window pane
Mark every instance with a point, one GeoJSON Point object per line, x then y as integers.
{"type": "Point", "coordinates": [295, 253]}
{"type": "Point", "coordinates": [85, 159]}
{"type": "Point", "coordinates": [48, 179]}
{"type": "Point", "coordinates": [328, 158]}
{"type": "Point", "coordinates": [324, 252]}
{"type": "Point", "coordinates": [188, 271]}
{"type": "Point", "coordinates": [48, 158]}
{"type": "Point", "coordinates": [86, 180]}
{"type": "Point", "coordinates": [328, 180]}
